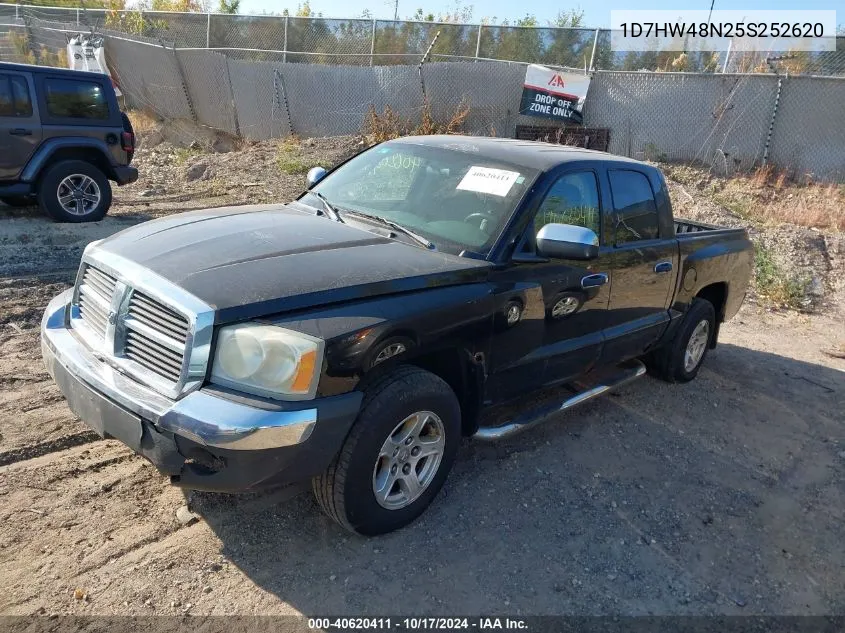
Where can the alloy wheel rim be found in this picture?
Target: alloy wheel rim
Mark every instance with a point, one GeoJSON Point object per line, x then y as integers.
{"type": "Point", "coordinates": [696, 345]}
{"type": "Point", "coordinates": [79, 194]}
{"type": "Point", "coordinates": [565, 306]}
{"type": "Point", "coordinates": [409, 460]}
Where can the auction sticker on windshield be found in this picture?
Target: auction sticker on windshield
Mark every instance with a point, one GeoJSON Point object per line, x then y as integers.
{"type": "Point", "coordinates": [497, 182]}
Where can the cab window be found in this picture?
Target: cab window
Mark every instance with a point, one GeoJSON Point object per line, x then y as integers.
{"type": "Point", "coordinates": [573, 199]}
{"type": "Point", "coordinates": [635, 211]}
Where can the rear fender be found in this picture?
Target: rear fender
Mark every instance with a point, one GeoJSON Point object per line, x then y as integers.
{"type": "Point", "coordinates": [49, 148]}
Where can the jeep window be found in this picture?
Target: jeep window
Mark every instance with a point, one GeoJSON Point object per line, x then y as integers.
{"type": "Point", "coordinates": [14, 96]}
{"type": "Point", "coordinates": [73, 99]}
{"type": "Point", "coordinates": [456, 199]}
{"type": "Point", "coordinates": [634, 207]}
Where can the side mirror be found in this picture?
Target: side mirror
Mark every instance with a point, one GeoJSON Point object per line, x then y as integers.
{"type": "Point", "coordinates": [567, 241]}
{"type": "Point", "coordinates": [315, 175]}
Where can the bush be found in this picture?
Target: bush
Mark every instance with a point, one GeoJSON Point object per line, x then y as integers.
{"type": "Point", "coordinates": [288, 160]}
{"type": "Point", "coordinates": [774, 285]}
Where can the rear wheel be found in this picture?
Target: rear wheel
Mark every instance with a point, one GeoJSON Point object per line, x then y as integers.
{"type": "Point", "coordinates": [681, 358]}
{"type": "Point", "coordinates": [74, 191]}
{"type": "Point", "coordinates": [397, 455]}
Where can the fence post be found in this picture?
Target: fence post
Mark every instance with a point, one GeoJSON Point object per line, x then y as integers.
{"type": "Point", "coordinates": [30, 40]}
{"type": "Point", "coordinates": [282, 98]}
{"type": "Point", "coordinates": [595, 45]}
{"type": "Point", "coordinates": [208, 31]}
{"type": "Point", "coordinates": [77, 17]}
{"type": "Point", "coordinates": [727, 56]}
{"type": "Point", "coordinates": [17, 12]}
{"type": "Point", "coordinates": [184, 81]}
{"type": "Point", "coordinates": [772, 122]}
{"type": "Point", "coordinates": [478, 42]}
{"type": "Point", "coordinates": [422, 63]}
{"type": "Point", "coordinates": [232, 97]}
{"type": "Point", "coordinates": [285, 44]}
{"type": "Point", "coordinates": [373, 42]}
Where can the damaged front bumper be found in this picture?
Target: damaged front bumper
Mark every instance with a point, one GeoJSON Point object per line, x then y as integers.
{"type": "Point", "coordinates": [206, 440]}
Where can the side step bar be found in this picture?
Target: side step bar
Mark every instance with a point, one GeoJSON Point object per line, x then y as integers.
{"type": "Point", "coordinates": [626, 372]}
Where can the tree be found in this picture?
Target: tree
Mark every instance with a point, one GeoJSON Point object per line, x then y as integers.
{"type": "Point", "coordinates": [231, 7]}
{"type": "Point", "coordinates": [421, 16]}
{"type": "Point", "coordinates": [569, 19]}
{"type": "Point", "coordinates": [184, 6]}
{"type": "Point", "coordinates": [571, 44]}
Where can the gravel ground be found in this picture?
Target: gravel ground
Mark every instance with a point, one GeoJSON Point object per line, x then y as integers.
{"type": "Point", "coordinates": [722, 496]}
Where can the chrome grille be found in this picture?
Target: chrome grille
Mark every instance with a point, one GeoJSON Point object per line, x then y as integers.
{"type": "Point", "coordinates": [95, 297]}
{"type": "Point", "coordinates": [155, 336]}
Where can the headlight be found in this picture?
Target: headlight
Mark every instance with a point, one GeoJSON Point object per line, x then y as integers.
{"type": "Point", "coordinates": [268, 361]}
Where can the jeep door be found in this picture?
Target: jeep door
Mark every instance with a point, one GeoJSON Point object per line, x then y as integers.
{"type": "Point", "coordinates": [20, 127]}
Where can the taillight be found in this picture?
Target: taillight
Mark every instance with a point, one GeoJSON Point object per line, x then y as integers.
{"type": "Point", "coordinates": [127, 141]}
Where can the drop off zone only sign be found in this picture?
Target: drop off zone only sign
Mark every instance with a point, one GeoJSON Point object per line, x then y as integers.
{"type": "Point", "coordinates": [553, 94]}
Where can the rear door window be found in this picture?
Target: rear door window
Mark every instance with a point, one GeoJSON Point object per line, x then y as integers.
{"type": "Point", "coordinates": [14, 96]}
{"type": "Point", "coordinates": [635, 211]}
{"type": "Point", "coordinates": [75, 99]}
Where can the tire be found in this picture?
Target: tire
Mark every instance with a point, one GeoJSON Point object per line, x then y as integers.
{"type": "Point", "coordinates": [346, 491]}
{"type": "Point", "coordinates": [19, 201]}
{"type": "Point", "coordinates": [48, 192]}
{"type": "Point", "coordinates": [670, 362]}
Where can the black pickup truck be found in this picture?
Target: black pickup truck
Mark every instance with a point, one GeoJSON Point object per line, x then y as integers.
{"type": "Point", "coordinates": [355, 335]}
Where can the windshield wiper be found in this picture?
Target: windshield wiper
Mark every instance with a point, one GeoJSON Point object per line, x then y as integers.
{"type": "Point", "coordinates": [396, 227]}
{"type": "Point", "coordinates": [335, 215]}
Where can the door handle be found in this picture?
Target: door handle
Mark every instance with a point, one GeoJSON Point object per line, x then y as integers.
{"type": "Point", "coordinates": [593, 281]}
{"type": "Point", "coordinates": [663, 267]}
{"type": "Point", "coordinates": [19, 131]}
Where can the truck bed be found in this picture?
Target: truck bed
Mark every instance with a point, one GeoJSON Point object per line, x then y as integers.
{"type": "Point", "coordinates": [683, 227]}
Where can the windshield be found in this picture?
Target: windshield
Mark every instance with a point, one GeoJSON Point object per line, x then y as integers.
{"type": "Point", "coordinates": [456, 199]}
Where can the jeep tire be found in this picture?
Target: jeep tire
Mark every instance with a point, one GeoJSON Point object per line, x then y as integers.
{"type": "Point", "coordinates": [74, 191]}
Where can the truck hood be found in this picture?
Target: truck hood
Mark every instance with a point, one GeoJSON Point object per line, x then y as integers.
{"type": "Point", "coordinates": [257, 260]}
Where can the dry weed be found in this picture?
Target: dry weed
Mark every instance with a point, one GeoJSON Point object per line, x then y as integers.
{"type": "Point", "coordinates": [388, 125]}
{"type": "Point", "coordinates": [142, 120]}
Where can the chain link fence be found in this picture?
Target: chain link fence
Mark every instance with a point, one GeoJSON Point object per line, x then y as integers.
{"type": "Point", "coordinates": [720, 120]}
{"type": "Point", "coordinates": [729, 121]}
{"type": "Point", "coordinates": [365, 42]}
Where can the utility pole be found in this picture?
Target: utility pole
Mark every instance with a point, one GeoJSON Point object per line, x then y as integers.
{"type": "Point", "coordinates": [396, 10]}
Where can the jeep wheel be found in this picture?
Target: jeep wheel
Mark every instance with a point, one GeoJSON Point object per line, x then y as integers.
{"type": "Point", "coordinates": [74, 191]}
{"type": "Point", "coordinates": [19, 201]}
{"type": "Point", "coordinates": [397, 456]}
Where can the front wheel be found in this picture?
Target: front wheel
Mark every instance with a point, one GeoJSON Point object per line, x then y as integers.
{"type": "Point", "coordinates": [74, 191]}
{"type": "Point", "coordinates": [397, 456]}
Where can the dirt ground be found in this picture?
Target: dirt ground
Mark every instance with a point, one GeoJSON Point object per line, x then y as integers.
{"type": "Point", "coordinates": [722, 496]}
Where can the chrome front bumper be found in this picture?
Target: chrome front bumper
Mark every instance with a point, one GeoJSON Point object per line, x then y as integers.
{"type": "Point", "coordinates": [199, 416]}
